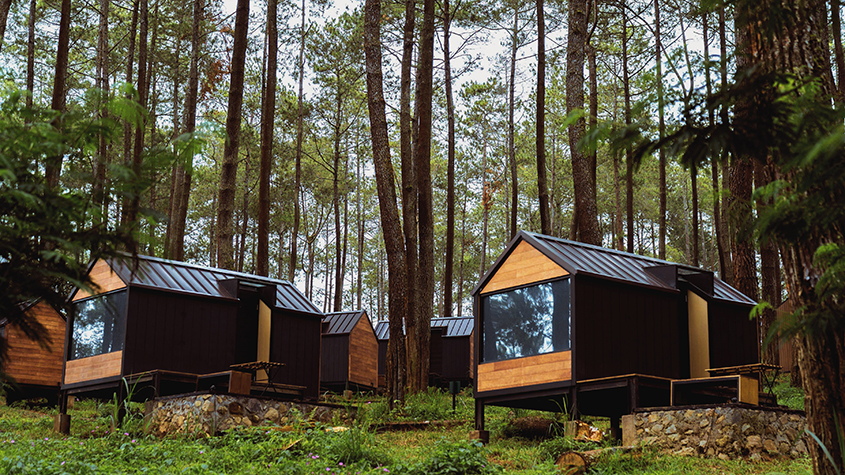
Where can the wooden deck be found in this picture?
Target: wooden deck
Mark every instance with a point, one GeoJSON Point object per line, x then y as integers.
{"type": "Point", "coordinates": [159, 383]}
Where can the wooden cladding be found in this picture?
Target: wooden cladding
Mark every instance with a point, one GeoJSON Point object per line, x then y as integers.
{"type": "Point", "coordinates": [104, 279]}
{"type": "Point", "coordinates": [93, 367]}
{"type": "Point", "coordinates": [699, 336]}
{"type": "Point", "coordinates": [27, 361]}
{"type": "Point", "coordinates": [521, 372]}
{"type": "Point", "coordinates": [363, 355]}
{"type": "Point", "coordinates": [525, 265]}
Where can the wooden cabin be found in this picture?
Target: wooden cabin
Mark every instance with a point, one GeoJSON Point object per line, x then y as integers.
{"type": "Point", "coordinates": [451, 356]}
{"type": "Point", "coordinates": [349, 352]}
{"type": "Point", "coordinates": [570, 326]}
{"type": "Point", "coordinates": [33, 369]}
{"type": "Point", "coordinates": [177, 319]}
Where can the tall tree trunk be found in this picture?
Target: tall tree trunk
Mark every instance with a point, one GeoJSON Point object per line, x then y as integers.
{"type": "Point", "coordinates": [391, 227]}
{"type": "Point", "coordinates": [661, 131]}
{"type": "Point", "coordinates": [268, 112]}
{"type": "Point", "coordinates": [486, 203]}
{"type": "Point", "coordinates": [360, 223]}
{"type": "Point", "coordinates": [54, 164]}
{"type": "Point", "coordinates": [5, 6]}
{"type": "Point", "coordinates": [592, 66]}
{"type": "Point", "coordinates": [409, 191]}
{"type": "Point", "coordinates": [140, 128]}
{"type": "Point", "coordinates": [511, 125]}
{"type": "Point", "coordinates": [726, 236]}
{"type": "Point", "coordinates": [839, 56]}
{"type": "Point", "coordinates": [542, 186]}
{"type": "Point", "coordinates": [586, 212]}
{"type": "Point", "coordinates": [298, 159]}
{"type": "Point", "coordinates": [229, 169]}
{"type": "Point", "coordinates": [714, 160]}
{"type": "Point", "coordinates": [127, 126]}
{"type": "Point", "coordinates": [768, 271]}
{"type": "Point", "coordinates": [30, 54]}
{"type": "Point", "coordinates": [177, 247]}
{"type": "Point", "coordinates": [422, 159]}
{"type": "Point", "coordinates": [241, 249]}
{"type": "Point", "coordinates": [449, 264]}
{"type": "Point", "coordinates": [629, 159]}
{"type": "Point", "coordinates": [338, 297]}
{"type": "Point", "coordinates": [694, 198]}
{"type": "Point", "coordinates": [103, 86]}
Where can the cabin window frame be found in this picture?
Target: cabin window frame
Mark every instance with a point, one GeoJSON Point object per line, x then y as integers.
{"type": "Point", "coordinates": [118, 340]}
{"type": "Point", "coordinates": [483, 319]}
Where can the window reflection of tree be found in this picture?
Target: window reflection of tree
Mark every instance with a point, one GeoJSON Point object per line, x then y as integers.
{"type": "Point", "coordinates": [528, 321]}
{"type": "Point", "coordinates": [98, 325]}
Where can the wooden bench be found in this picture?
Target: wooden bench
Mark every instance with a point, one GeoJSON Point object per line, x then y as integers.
{"type": "Point", "coordinates": [734, 388]}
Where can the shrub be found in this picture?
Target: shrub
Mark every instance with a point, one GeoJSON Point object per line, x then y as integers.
{"type": "Point", "coordinates": [461, 457]}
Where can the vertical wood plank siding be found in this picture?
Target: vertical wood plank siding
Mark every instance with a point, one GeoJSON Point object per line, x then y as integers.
{"type": "Point", "coordinates": [624, 329]}
{"type": "Point", "coordinates": [178, 333]}
{"type": "Point", "coordinates": [457, 363]}
{"type": "Point", "coordinates": [335, 359]}
{"type": "Point", "coordinates": [27, 362]}
{"type": "Point", "coordinates": [296, 343]}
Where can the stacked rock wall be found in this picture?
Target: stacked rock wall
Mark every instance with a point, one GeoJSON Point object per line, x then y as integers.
{"type": "Point", "coordinates": [208, 414]}
{"type": "Point", "coordinates": [726, 432]}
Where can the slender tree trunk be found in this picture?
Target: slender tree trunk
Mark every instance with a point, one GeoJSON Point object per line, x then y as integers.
{"type": "Point", "coordinates": [30, 54]}
{"type": "Point", "coordinates": [511, 125]}
{"type": "Point", "coordinates": [629, 159]}
{"type": "Point", "coordinates": [422, 161]}
{"type": "Point", "coordinates": [661, 131]}
{"type": "Point", "coordinates": [54, 164]}
{"type": "Point", "coordinates": [229, 169]}
{"type": "Point", "coordinates": [298, 159]}
{"type": "Point", "coordinates": [542, 186]}
{"type": "Point", "coordinates": [127, 126]}
{"type": "Point", "coordinates": [140, 128]}
{"type": "Point", "coordinates": [486, 202]}
{"type": "Point", "coordinates": [714, 160]}
{"type": "Point", "coordinates": [241, 248]}
{"type": "Point", "coordinates": [839, 56]}
{"type": "Point", "coordinates": [409, 192]}
{"type": "Point", "coordinates": [391, 227]}
{"type": "Point", "coordinates": [5, 6]}
{"type": "Point", "coordinates": [268, 112]}
{"type": "Point", "coordinates": [103, 86]}
{"type": "Point", "coordinates": [360, 223]}
{"type": "Point", "coordinates": [768, 271]}
{"type": "Point", "coordinates": [338, 298]}
{"type": "Point", "coordinates": [694, 199]}
{"type": "Point", "coordinates": [592, 66]}
{"type": "Point", "coordinates": [726, 239]}
{"type": "Point", "coordinates": [449, 265]}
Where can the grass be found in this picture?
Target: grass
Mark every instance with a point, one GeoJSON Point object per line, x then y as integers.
{"type": "Point", "coordinates": [29, 446]}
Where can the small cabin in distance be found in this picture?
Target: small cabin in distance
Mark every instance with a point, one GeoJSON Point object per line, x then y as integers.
{"type": "Point", "coordinates": [349, 355]}
{"type": "Point", "coordinates": [452, 350]}
{"type": "Point", "coordinates": [598, 331]}
{"type": "Point", "coordinates": [33, 369]}
{"type": "Point", "coordinates": [156, 315]}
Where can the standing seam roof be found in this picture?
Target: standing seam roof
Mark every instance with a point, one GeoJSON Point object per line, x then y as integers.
{"type": "Point", "coordinates": [454, 327]}
{"type": "Point", "coordinates": [203, 281]}
{"type": "Point", "coordinates": [342, 323]}
{"type": "Point", "coordinates": [578, 257]}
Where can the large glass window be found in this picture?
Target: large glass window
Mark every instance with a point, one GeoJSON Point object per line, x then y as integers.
{"type": "Point", "coordinates": [98, 325]}
{"type": "Point", "coordinates": [524, 322]}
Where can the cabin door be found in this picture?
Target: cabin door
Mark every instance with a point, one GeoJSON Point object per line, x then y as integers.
{"type": "Point", "coordinates": [699, 336]}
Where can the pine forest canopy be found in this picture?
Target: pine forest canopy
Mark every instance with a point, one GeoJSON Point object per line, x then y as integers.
{"type": "Point", "coordinates": [435, 99]}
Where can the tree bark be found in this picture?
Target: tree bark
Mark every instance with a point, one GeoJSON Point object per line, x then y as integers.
{"type": "Point", "coordinates": [511, 125]}
{"type": "Point", "coordinates": [298, 159]}
{"type": "Point", "coordinates": [268, 113]}
{"type": "Point", "coordinates": [839, 56]}
{"type": "Point", "coordinates": [768, 271]}
{"type": "Point", "coordinates": [103, 85]}
{"type": "Point", "coordinates": [229, 168]}
{"type": "Point", "coordinates": [724, 231]}
{"type": "Point", "coordinates": [449, 264]}
{"type": "Point", "coordinates": [53, 167]}
{"type": "Point", "coordinates": [629, 159]}
{"type": "Point", "coordinates": [389, 212]}
{"type": "Point", "coordinates": [30, 54]}
{"type": "Point", "coordinates": [140, 128]}
{"type": "Point", "coordinates": [422, 159]}
{"type": "Point", "coordinates": [661, 132]}
{"type": "Point", "coordinates": [542, 186]}
{"type": "Point", "coordinates": [586, 212]}
{"type": "Point", "coordinates": [5, 6]}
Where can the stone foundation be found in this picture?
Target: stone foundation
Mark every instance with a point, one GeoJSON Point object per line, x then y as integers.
{"type": "Point", "coordinates": [208, 414]}
{"type": "Point", "coordinates": [725, 431]}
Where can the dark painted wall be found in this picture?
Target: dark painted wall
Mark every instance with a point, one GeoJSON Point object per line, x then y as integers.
{"type": "Point", "coordinates": [456, 358]}
{"type": "Point", "coordinates": [178, 332]}
{"type": "Point", "coordinates": [334, 360]}
{"type": "Point", "coordinates": [382, 357]}
{"type": "Point", "coordinates": [295, 341]}
{"type": "Point", "coordinates": [622, 329]}
{"type": "Point", "coordinates": [733, 337]}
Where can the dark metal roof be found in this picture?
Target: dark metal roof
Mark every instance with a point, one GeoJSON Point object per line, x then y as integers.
{"type": "Point", "coordinates": [341, 323]}
{"type": "Point", "coordinates": [453, 327]}
{"type": "Point", "coordinates": [580, 258]}
{"type": "Point", "coordinates": [203, 281]}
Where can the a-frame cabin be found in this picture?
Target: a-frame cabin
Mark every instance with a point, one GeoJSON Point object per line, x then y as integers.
{"type": "Point", "coordinates": [349, 352]}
